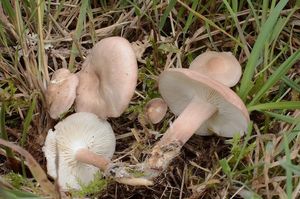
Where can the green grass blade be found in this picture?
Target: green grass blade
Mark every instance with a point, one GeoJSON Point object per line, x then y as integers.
{"type": "Point", "coordinates": [41, 47]}
{"type": "Point", "coordinates": [225, 167]}
{"type": "Point", "coordinates": [283, 118]}
{"type": "Point", "coordinates": [58, 9]}
{"type": "Point", "coordinates": [291, 167]}
{"type": "Point", "coordinates": [27, 121]}
{"type": "Point", "coordinates": [78, 32]}
{"type": "Point", "coordinates": [275, 105]}
{"type": "Point", "coordinates": [163, 19]}
{"type": "Point", "coordinates": [8, 8]}
{"type": "Point", "coordinates": [258, 48]}
{"type": "Point", "coordinates": [26, 126]}
{"type": "Point", "coordinates": [276, 76]}
{"type": "Point", "coordinates": [292, 135]}
{"type": "Point", "coordinates": [238, 26]}
{"type": "Point", "coordinates": [141, 13]}
{"type": "Point", "coordinates": [266, 52]}
{"type": "Point", "coordinates": [16, 194]}
{"type": "Point", "coordinates": [265, 7]}
{"type": "Point", "coordinates": [289, 184]}
{"type": "Point", "coordinates": [253, 10]}
{"type": "Point", "coordinates": [3, 133]}
{"type": "Point", "coordinates": [245, 143]}
{"type": "Point", "coordinates": [281, 23]}
{"type": "Point", "coordinates": [189, 20]}
{"type": "Point", "coordinates": [92, 27]}
{"type": "Point", "coordinates": [235, 5]}
{"type": "Point", "coordinates": [210, 22]}
{"type": "Point", "coordinates": [291, 83]}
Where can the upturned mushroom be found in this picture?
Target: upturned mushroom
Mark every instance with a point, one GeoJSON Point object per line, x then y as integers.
{"type": "Point", "coordinates": [61, 92]}
{"type": "Point", "coordinates": [202, 105]}
{"type": "Point", "coordinates": [108, 78]}
{"type": "Point", "coordinates": [155, 110]}
{"type": "Point", "coordinates": [220, 66]}
{"type": "Point", "coordinates": [82, 144]}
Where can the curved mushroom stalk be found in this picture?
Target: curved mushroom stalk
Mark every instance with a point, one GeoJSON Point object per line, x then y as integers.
{"type": "Point", "coordinates": [203, 105]}
{"type": "Point", "coordinates": [88, 157]}
{"type": "Point", "coordinates": [122, 173]}
{"type": "Point", "coordinates": [179, 133]}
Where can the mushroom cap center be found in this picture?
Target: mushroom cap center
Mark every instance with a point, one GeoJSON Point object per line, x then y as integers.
{"type": "Point", "coordinates": [217, 65]}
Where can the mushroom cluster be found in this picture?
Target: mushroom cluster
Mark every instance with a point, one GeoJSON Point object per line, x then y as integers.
{"type": "Point", "coordinates": [104, 85]}
{"type": "Point", "coordinates": [203, 105]}
{"type": "Point", "coordinates": [201, 98]}
{"type": "Point", "coordinates": [84, 142]}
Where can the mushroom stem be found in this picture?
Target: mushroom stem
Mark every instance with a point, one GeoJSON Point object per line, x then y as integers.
{"type": "Point", "coordinates": [178, 134]}
{"type": "Point", "coordinates": [188, 122]}
{"type": "Point", "coordinates": [118, 171]}
{"type": "Point", "coordinates": [86, 156]}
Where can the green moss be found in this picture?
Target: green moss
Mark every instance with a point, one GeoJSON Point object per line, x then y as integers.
{"type": "Point", "coordinates": [17, 180]}
{"type": "Point", "coordinates": [96, 186]}
{"type": "Point", "coordinates": [135, 173]}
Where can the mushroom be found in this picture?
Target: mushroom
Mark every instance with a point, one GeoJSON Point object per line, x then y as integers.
{"type": "Point", "coordinates": [203, 105]}
{"type": "Point", "coordinates": [61, 92]}
{"type": "Point", "coordinates": [82, 143]}
{"type": "Point", "coordinates": [220, 66]}
{"type": "Point", "coordinates": [155, 110]}
{"type": "Point", "coordinates": [108, 78]}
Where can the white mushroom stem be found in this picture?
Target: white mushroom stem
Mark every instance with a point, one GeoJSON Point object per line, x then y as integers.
{"type": "Point", "coordinates": [196, 113]}
{"type": "Point", "coordinates": [86, 156]}
{"type": "Point", "coordinates": [188, 122]}
{"type": "Point", "coordinates": [116, 170]}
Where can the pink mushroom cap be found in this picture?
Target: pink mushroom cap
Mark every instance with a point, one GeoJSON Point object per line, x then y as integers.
{"type": "Point", "coordinates": [220, 66]}
{"type": "Point", "coordinates": [61, 92]}
{"type": "Point", "coordinates": [155, 110]}
{"type": "Point", "coordinates": [108, 78]}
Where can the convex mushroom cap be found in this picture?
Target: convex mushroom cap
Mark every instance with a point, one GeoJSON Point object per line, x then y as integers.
{"type": "Point", "coordinates": [81, 142]}
{"type": "Point", "coordinates": [108, 78]}
{"type": "Point", "coordinates": [155, 110]}
{"type": "Point", "coordinates": [220, 66]}
{"type": "Point", "coordinates": [61, 92]}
